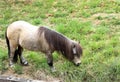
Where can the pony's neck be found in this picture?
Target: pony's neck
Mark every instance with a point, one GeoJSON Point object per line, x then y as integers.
{"type": "Point", "coordinates": [66, 45]}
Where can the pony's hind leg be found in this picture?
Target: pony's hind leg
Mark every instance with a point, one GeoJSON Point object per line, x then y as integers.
{"type": "Point", "coordinates": [22, 59]}
{"type": "Point", "coordinates": [11, 50]}
{"type": "Point", "coordinates": [11, 54]}
{"type": "Point", "coordinates": [15, 58]}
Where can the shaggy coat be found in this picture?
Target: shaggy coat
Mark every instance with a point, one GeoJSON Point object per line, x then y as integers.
{"type": "Point", "coordinates": [21, 34]}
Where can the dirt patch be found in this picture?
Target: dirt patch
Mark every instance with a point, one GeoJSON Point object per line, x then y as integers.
{"type": "Point", "coordinates": [11, 71]}
{"type": "Point", "coordinates": [29, 73]}
{"type": "Point", "coordinates": [98, 18]}
{"type": "Point", "coordinates": [106, 15]}
{"type": "Point", "coordinates": [103, 17]}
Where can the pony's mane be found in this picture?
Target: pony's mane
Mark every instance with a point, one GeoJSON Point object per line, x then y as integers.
{"type": "Point", "coordinates": [57, 41]}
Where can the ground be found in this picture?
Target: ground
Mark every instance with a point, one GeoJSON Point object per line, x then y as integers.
{"type": "Point", "coordinates": [95, 24]}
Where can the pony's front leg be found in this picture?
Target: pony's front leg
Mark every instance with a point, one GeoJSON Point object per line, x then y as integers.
{"type": "Point", "coordinates": [50, 61]}
{"type": "Point", "coordinates": [23, 60]}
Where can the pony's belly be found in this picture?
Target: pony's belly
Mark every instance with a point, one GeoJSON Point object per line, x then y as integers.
{"type": "Point", "coordinates": [32, 46]}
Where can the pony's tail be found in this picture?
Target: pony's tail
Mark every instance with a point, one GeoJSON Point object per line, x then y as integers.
{"type": "Point", "coordinates": [8, 44]}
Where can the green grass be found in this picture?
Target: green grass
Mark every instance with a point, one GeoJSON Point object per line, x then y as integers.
{"type": "Point", "coordinates": [98, 35]}
{"type": "Point", "coordinates": [3, 58]}
{"type": "Point", "coordinates": [18, 69]}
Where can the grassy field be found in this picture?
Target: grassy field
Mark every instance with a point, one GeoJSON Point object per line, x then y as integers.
{"type": "Point", "coordinates": [94, 23]}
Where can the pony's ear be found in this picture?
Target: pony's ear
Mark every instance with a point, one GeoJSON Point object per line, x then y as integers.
{"type": "Point", "coordinates": [74, 48]}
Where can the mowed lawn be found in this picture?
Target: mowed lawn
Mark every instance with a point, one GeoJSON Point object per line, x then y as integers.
{"type": "Point", "coordinates": [93, 23]}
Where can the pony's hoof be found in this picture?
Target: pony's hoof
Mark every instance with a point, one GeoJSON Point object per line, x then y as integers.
{"type": "Point", "coordinates": [25, 63]}
{"type": "Point", "coordinates": [12, 65]}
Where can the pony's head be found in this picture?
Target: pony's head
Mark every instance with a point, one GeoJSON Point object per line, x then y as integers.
{"type": "Point", "coordinates": [75, 53]}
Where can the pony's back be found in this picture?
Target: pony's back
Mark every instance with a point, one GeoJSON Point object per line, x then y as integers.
{"type": "Point", "coordinates": [20, 25]}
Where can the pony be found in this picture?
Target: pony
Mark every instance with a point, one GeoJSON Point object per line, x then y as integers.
{"type": "Point", "coordinates": [21, 34]}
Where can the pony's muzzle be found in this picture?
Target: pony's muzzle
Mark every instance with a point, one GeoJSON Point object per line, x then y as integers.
{"type": "Point", "coordinates": [76, 61]}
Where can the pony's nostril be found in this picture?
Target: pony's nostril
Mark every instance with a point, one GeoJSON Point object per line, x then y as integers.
{"type": "Point", "coordinates": [77, 64]}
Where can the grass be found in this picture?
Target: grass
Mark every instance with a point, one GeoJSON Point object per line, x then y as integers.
{"type": "Point", "coordinates": [18, 69]}
{"type": "Point", "coordinates": [95, 24]}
